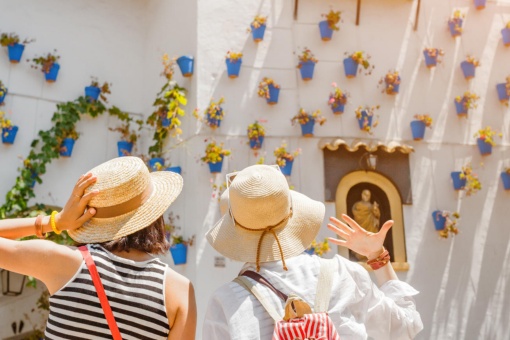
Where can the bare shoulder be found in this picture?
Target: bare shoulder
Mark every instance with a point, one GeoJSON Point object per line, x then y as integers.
{"type": "Point", "coordinates": [179, 299]}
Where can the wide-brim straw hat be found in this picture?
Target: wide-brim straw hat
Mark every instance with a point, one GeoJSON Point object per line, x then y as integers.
{"type": "Point", "coordinates": [257, 198]}
{"type": "Point", "coordinates": [130, 199]}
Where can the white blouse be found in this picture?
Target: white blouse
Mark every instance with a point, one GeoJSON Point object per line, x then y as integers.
{"type": "Point", "coordinates": [358, 308]}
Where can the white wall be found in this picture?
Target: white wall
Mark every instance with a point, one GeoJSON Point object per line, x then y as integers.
{"type": "Point", "coordinates": [463, 281]}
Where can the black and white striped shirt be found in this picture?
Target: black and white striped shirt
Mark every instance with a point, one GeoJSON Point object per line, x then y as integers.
{"type": "Point", "coordinates": [135, 291]}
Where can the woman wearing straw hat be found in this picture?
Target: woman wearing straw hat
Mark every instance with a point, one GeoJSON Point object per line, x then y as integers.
{"type": "Point", "coordinates": [268, 226]}
{"type": "Point", "coordinates": [134, 295]}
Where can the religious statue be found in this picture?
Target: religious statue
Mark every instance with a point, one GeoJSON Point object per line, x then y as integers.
{"type": "Point", "coordinates": [365, 213]}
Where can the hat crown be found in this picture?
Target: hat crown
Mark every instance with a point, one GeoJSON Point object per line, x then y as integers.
{"type": "Point", "coordinates": [118, 181]}
{"type": "Point", "coordinates": [259, 197]}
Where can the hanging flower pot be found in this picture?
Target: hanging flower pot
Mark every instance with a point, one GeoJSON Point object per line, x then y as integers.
{"type": "Point", "coordinates": [484, 147]}
{"type": "Point", "coordinates": [364, 115]}
{"type": "Point", "coordinates": [3, 92]}
{"type": "Point", "coordinates": [49, 65]}
{"type": "Point", "coordinates": [284, 158]}
{"type": "Point", "coordinates": [418, 129]}
{"type": "Point", "coordinates": [439, 219]}
{"type": "Point", "coordinates": [9, 134]}
{"type": "Point", "coordinates": [480, 4]}
{"type": "Point", "coordinates": [306, 64]}
{"type": "Point", "coordinates": [256, 133]}
{"type": "Point", "coordinates": [503, 93]}
{"type": "Point", "coordinates": [258, 32]}
{"type": "Point", "coordinates": [307, 121]}
{"type": "Point", "coordinates": [287, 168]}
{"type": "Point", "coordinates": [214, 156]}
{"type": "Point", "coordinates": [274, 93]}
{"type": "Point", "coordinates": [34, 176]}
{"type": "Point", "coordinates": [124, 148]}
{"type": "Point", "coordinates": [269, 90]}
{"type": "Point", "coordinates": [455, 24]}
{"type": "Point", "coordinates": [337, 100]}
{"type": "Point", "coordinates": [353, 60]}
{"type": "Point", "coordinates": [351, 67]}
{"type": "Point", "coordinates": [234, 61]}
{"type": "Point", "coordinates": [15, 52]}
{"type": "Point", "coordinates": [215, 167]}
{"type": "Point", "coordinates": [505, 178]}
{"type": "Point", "coordinates": [432, 56]}
{"type": "Point", "coordinates": [92, 92]}
{"type": "Point", "coordinates": [52, 74]}
{"type": "Point", "coordinates": [186, 64]}
{"type": "Point", "coordinates": [458, 182]}
{"type": "Point", "coordinates": [329, 25]}
{"type": "Point", "coordinates": [486, 139]}
{"type": "Point", "coordinates": [326, 32]}
{"type": "Point", "coordinates": [212, 122]}
{"type": "Point", "coordinates": [307, 128]}
{"type": "Point", "coordinates": [214, 113]}
{"type": "Point", "coordinates": [176, 169]}
{"type": "Point", "coordinates": [156, 163]}
{"type": "Point", "coordinates": [391, 82]}
{"type": "Point", "coordinates": [365, 120]}
{"type": "Point", "coordinates": [338, 108]}
{"type": "Point", "coordinates": [465, 102]}
{"type": "Point", "coordinates": [66, 148]}
{"type": "Point", "coordinates": [179, 253]}
{"type": "Point", "coordinates": [256, 143]}
{"type": "Point", "coordinates": [505, 33]}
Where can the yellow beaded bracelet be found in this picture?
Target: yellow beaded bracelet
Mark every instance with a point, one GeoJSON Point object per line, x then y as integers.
{"type": "Point", "coordinates": [53, 224]}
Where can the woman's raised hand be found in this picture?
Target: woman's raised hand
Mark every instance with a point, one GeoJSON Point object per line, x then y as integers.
{"type": "Point", "coordinates": [354, 237]}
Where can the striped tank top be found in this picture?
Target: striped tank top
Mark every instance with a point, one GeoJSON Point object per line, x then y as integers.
{"type": "Point", "coordinates": [135, 291]}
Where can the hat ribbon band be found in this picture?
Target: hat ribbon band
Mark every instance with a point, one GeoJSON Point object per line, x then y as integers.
{"type": "Point", "coordinates": [125, 207]}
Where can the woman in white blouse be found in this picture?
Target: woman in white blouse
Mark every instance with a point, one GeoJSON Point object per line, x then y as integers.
{"type": "Point", "coordinates": [269, 226]}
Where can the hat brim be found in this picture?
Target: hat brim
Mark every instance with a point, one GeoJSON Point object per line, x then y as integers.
{"type": "Point", "coordinates": [166, 186]}
{"type": "Point", "coordinates": [241, 245]}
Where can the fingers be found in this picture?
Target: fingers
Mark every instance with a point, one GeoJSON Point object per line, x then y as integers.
{"type": "Point", "coordinates": [352, 223]}
{"type": "Point", "coordinates": [341, 225]}
{"type": "Point", "coordinates": [338, 231]}
{"type": "Point", "coordinates": [86, 182]}
{"type": "Point", "coordinates": [86, 216]}
{"type": "Point", "coordinates": [83, 178]}
{"type": "Point", "coordinates": [84, 201]}
{"type": "Point", "coordinates": [386, 227]}
{"type": "Point", "coordinates": [337, 241]}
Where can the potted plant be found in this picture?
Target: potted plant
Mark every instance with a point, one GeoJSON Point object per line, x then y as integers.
{"type": "Point", "coordinates": [445, 222]}
{"type": "Point", "coordinates": [318, 248]}
{"type": "Point", "coordinates": [178, 244]}
{"type": "Point", "coordinates": [67, 142]}
{"type": "Point", "coordinates": [353, 60]}
{"type": "Point", "coordinates": [329, 25]}
{"type": "Point", "coordinates": [485, 140]}
{"type": "Point", "coordinates": [256, 133]}
{"type": "Point", "coordinates": [307, 121]}
{"type": "Point", "coordinates": [455, 24]}
{"type": "Point", "coordinates": [285, 159]}
{"type": "Point", "coordinates": [270, 90]}
{"type": "Point", "coordinates": [306, 64]}
{"type": "Point", "coordinates": [365, 117]}
{"type": "Point", "coordinates": [504, 91]}
{"type": "Point", "coordinates": [94, 90]}
{"type": "Point", "coordinates": [128, 137]}
{"type": "Point", "coordinates": [465, 102]}
{"type": "Point", "coordinates": [234, 61]}
{"type": "Point", "coordinates": [48, 65]}
{"type": "Point", "coordinates": [214, 155]}
{"type": "Point", "coordinates": [505, 32]}
{"type": "Point", "coordinates": [466, 180]}
{"type": "Point", "coordinates": [505, 178]}
{"type": "Point", "coordinates": [432, 56]}
{"type": "Point", "coordinates": [258, 28]}
{"type": "Point", "coordinates": [14, 46]}
{"type": "Point", "coordinates": [391, 82]}
{"type": "Point", "coordinates": [214, 113]}
{"type": "Point", "coordinates": [468, 67]}
{"type": "Point", "coordinates": [418, 126]}
{"type": "Point", "coordinates": [186, 65]}
{"type": "Point", "coordinates": [337, 99]}
{"type": "Point", "coordinates": [480, 4]}
{"type": "Point", "coordinates": [3, 92]}
{"type": "Point", "coordinates": [9, 131]}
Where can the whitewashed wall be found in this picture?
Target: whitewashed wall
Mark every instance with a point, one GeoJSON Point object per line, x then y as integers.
{"type": "Point", "coordinates": [463, 281]}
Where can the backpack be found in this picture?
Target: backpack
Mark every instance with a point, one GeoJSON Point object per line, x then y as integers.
{"type": "Point", "coordinates": [300, 322]}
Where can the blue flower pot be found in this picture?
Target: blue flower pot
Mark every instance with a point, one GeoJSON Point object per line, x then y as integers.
{"type": "Point", "coordinates": [213, 123]}
{"type": "Point", "coordinates": [505, 32]}
{"type": "Point", "coordinates": [337, 108]}
{"type": "Point", "coordinates": [458, 183]}
{"type": "Point", "coordinates": [307, 129]}
{"type": "Point", "coordinates": [186, 64]}
{"type": "Point", "coordinates": [418, 129]}
{"type": "Point", "coordinates": [485, 148]}
{"type": "Point", "coordinates": [179, 253]}
{"type": "Point", "coordinates": [468, 69]}
{"type": "Point", "coordinates": [66, 148]}
{"type": "Point", "coordinates": [274, 93]}
{"type": "Point", "coordinates": [351, 67]}
{"type": "Point", "coordinates": [124, 148]}
{"type": "Point", "coordinates": [153, 163]}
{"type": "Point", "coordinates": [2, 97]}
{"type": "Point", "coordinates": [9, 134]}
{"type": "Point", "coordinates": [461, 109]}
{"type": "Point", "coordinates": [505, 178]}
{"type": "Point", "coordinates": [502, 94]}
{"type": "Point", "coordinates": [176, 169]}
{"type": "Point", "coordinates": [395, 89]}
{"type": "Point", "coordinates": [430, 61]}
{"type": "Point", "coordinates": [287, 169]}
{"type": "Point", "coordinates": [360, 120]}
{"type": "Point", "coordinates": [310, 251]}
{"type": "Point", "coordinates": [480, 4]}
{"type": "Point", "coordinates": [306, 69]}
{"type": "Point", "coordinates": [233, 67]}
{"type": "Point", "coordinates": [51, 76]}
{"type": "Point", "coordinates": [215, 167]}
{"type": "Point", "coordinates": [256, 143]}
{"type": "Point", "coordinates": [15, 52]}
{"type": "Point", "coordinates": [326, 32]}
{"type": "Point", "coordinates": [439, 219]}
{"type": "Point", "coordinates": [92, 92]}
{"type": "Point", "coordinates": [453, 31]}
{"type": "Point", "coordinates": [258, 33]}
{"type": "Point", "coordinates": [165, 121]}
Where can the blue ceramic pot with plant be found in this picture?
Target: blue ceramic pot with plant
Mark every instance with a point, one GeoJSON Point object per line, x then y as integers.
{"type": "Point", "coordinates": [124, 148]}
{"type": "Point", "coordinates": [505, 32]}
{"type": "Point", "coordinates": [430, 61]}
{"type": "Point", "coordinates": [468, 69]}
{"type": "Point", "coordinates": [418, 129]}
{"type": "Point", "coordinates": [66, 148]}
{"type": "Point", "coordinates": [458, 183]}
{"type": "Point", "coordinates": [361, 120]}
{"type": "Point", "coordinates": [153, 163]}
{"type": "Point", "coordinates": [351, 67]}
{"type": "Point", "coordinates": [215, 168]}
{"type": "Point", "coordinates": [15, 52]}
{"type": "Point", "coordinates": [485, 148]}
{"type": "Point", "coordinates": [213, 122]}
{"type": "Point", "coordinates": [502, 93]}
{"type": "Point", "coordinates": [165, 121]}
{"type": "Point", "coordinates": [233, 67]}
{"type": "Point", "coordinates": [52, 74]}
{"type": "Point", "coordinates": [274, 93]}
{"type": "Point", "coordinates": [439, 219]}
{"type": "Point", "coordinates": [9, 134]}
{"type": "Point", "coordinates": [186, 65]}
{"type": "Point", "coordinates": [2, 97]}
{"type": "Point", "coordinates": [307, 128]}
{"type": "Point", "coordinates": [287, 168]}
{"type": "Point", "coordinates": [460, 107]}
{"type": "Point", "coordinates": [505, 178]}
{"type": "Point", "coordinates": [92, 92]}
{"type": "Point", "coordinates": [258, 33]}
{"type": "Point", "coordinates": [256, 143]}
{"type": "Point", "coordinates": [455, 26]}
{"type": "Point", "coordinates": [337, 108]}
{"type": "Point", "coordinates": [480, 4]}
{"type": "Point", "coordinates": [179, 253]}
{"type": "Point", "coordinates": [326, 32]}
{"type": "Point", "coordinates": [176, 169]}
{"type": "Point", "coordinates": [310, 251]}
{"type": "Point", "coordinates": [306, 68]}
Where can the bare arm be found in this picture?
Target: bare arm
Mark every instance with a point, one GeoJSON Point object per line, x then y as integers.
{"type": "Point", "coordinates": [181, 307]}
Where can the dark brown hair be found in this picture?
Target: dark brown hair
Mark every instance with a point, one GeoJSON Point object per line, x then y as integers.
{"type": "Point", "coordinates": [151, 239]}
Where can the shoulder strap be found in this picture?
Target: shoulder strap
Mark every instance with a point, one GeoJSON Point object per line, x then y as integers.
{"type": "Point", "coordinates": [244, 282]}
{"type": "Point", "coordinates": [89, 261]}
{"type": "Point", "coordinates": [324, 284]}
{"type": "Point", "coordinates": [262, 280]}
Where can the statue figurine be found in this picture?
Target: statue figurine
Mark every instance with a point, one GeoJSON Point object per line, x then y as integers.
{"type": "Point", "coordinates": [365, 213]}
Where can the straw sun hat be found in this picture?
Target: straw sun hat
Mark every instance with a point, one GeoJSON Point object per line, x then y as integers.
{"type": "Point", "coordinates": [263, 219]}
{"type": "Point", "coordinates": [130, 199]}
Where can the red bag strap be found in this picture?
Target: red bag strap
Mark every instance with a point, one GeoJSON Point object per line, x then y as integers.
{"type": "Point", "coordinates": [89, 261]}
